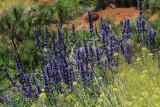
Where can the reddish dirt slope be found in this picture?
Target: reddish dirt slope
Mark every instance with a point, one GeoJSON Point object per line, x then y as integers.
{"type": "Point", "coordinates": [111, 11]}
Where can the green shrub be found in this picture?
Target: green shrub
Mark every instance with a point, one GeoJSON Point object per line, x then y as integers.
{"type": "Point", "coordinates": [17, 36]}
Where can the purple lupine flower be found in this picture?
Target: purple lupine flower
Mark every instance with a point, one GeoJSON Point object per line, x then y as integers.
{"type": "Point", "coordinates": [70, 78]}
{"type": "Point", "coordinates": [82, 72]}
{"type": "Point", "coordinates": [112, 48]}
{"type": "Point", "coordinates": [73, 33]}
{"type": "Point", "coordinates": [29, 90]}
{"type": "Point", "coordinates": [36, 83]}
{"type": "Point", "coordinates": [79, 56]}
{"type": "Point", "coordinates": [21, 74]}
{"type": "Point", "coordinates": [91, 53]}
{"type": "Point", "coordinates": [151, 37]}
{"type": "Point", "coordinates": [103, 36]}
{"type": "Point", "coordinates": [127, 22]}
{"type": "Point", "coordinates": [11, 100]}
{"type": "Point", "coordinates": [140, 6]}
{"type": "Point", "coordinates": [103, 26]}
{"type": "Point", "coordinates": [143, 29]}
{"type": "Point", "coordinates": [128, 52]}
{"type": "Point", "coordinates": [60, 37]}
{"type": "Point", "coordinates": [53, 45]}
{"type": "Point", "coordinates": [90, 20]}
{"type": "Point", "coordinates": [5, 98]}
{"type": "Point", "coordinates": [143, 22]}
{"type": "Point", "coordinates": [138, 27]}
{"type": "Point", "coordinates": [121, 44]}
{"type": "Point", "coordinates": [9, 77]}
{"type": "Point", "coordinates": [19, 65]}
{"type": "Point", "coordinates": [37, 40]}
{"type": "Point", "coordinates": [125, 31]}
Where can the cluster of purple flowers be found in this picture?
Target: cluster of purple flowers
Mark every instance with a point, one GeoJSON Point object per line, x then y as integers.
{"type": "Point", "coordinates": [151, 38]}
{"type": "Point", "coordinates": [26, 84]}
{"type": "Point", "coordinates": [140, 6]}
{"type": "Point", "coordinates": [111, 44]}
{"type": "Point", "coordinates": [8, 100]}
{"type": "Point", "coordinates": [141, 23]}
{"type": "Point", "coordinates": [90, 20]}
{"type": "Point", "coordinates": [57, 68]}
{"type": "Point", "coordinates": [84, 57]}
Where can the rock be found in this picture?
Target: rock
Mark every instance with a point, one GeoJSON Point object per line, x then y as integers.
{"type": "Point", "coordinates": [112, 6]}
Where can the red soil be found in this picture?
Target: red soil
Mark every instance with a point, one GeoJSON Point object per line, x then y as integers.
{"type": "Point", "coordinates": [154, 16]}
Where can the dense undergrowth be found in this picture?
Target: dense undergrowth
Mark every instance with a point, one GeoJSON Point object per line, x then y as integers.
{"type": "Point", "coordinates": [116, 66]}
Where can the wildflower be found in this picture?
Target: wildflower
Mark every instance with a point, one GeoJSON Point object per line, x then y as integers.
{"type": "Point", "coordinates": [115, 89]}
{"type": "Point", "coordinates": [100, 100]}
{"type": "Point", "coordinates": [151, 37]}
{"type": "Point", "coordinates": [128, 52]}
{"type": "Point", "coordinates": [69, 97]}
{"type": "Point", "coordinates": [150, 55]}
{"type": "Point", "coordinates": [138, 59]}
{"type": "Point", "coordinates": [143, 23]}
{"type": "Point", "coordinates": [144, 48]}
{"type": "Point", "coordinates": [145, 71]}
{"type": "Point", "coordinates": [140, 6]}
{"type": "Point", "coordinates": [61, 96]}
{"type": "Point", "coordinates": [42, 96]}
{"type": "Point", "coordinates": [9, 77]}
{"type": "Point", "coordinates": [90, 20]}
{"type": "Point", "coordinates": [115, 54]}
{"type": "Point", "coordinates": [75, 83]}
{"type": "Point", "coordinates": [100, 78]}
{"type": "Point", "coordinates": [43, 90]}
{"type": "Point", "coordinates": [102, 95]}
{"type": "Point", "coordinates": [154, 96]}
{"type": "Point", "coordinates": [76, 105]}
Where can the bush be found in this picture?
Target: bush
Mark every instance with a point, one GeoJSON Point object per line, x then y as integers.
{"type": "Point", "coordinates": [16, 29]}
